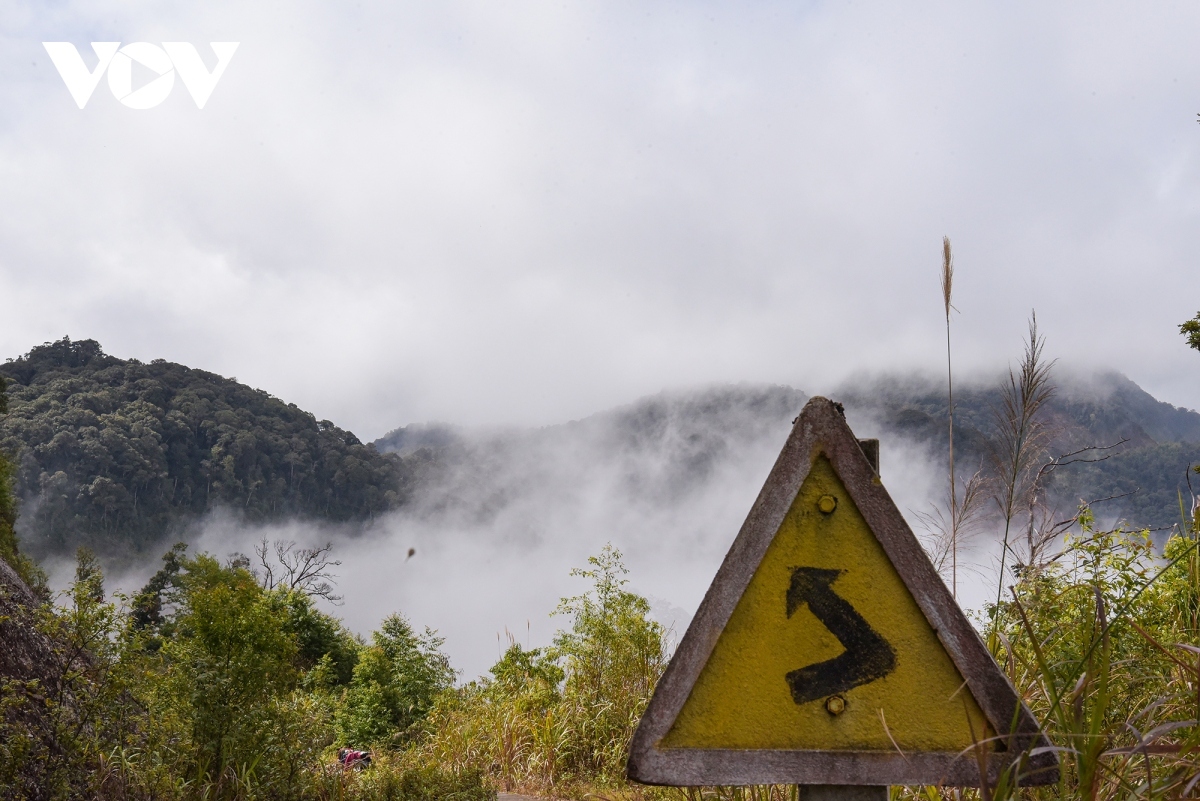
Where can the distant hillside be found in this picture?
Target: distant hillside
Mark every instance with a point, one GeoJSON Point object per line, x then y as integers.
{"type": "Point", "coordinates": [658, 450]}
{"type": "Point", "coordinates": [117, 454]}
{"type": "Point", "coordinates": [667, 453]}
{"type": "Point", "coordinates": [1149, 469]}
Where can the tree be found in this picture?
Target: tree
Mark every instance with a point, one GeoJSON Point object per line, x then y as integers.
{"type": "Point", "coordinates": [320, 637]}
{"type": "Point", "coordinates": [229, 659]}
{"type": "Point", "coordinates": [613, 655]}
{"type": "Point", "coordinates": [305, 570]}
{"type": "Point", "coordinates": [26, 568]}
{"type": "Point", "coordinates": [612, 641]}
{"type": "Point", "coordinates": [1191, 330]}
{"type": "Point", "coordinates": [395, 683]}
{"type": "Point", "coordinates": [149, 604]}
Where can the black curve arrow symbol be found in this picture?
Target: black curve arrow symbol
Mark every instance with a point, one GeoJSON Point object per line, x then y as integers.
{"type": "Point", "coordinates": [867, 657]}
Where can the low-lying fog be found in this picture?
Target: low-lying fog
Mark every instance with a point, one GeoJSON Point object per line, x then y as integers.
{"type": "Point", "coordinates": [667, 480]}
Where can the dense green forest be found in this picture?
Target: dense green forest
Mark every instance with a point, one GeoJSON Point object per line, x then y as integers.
{"type": "Point", "coordinates": [117, 454]}
{"type": "Point", "coordinates": [1155, 442]}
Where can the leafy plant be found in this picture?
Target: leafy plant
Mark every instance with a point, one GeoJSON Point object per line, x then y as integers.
{"type": "Point", "coordinates": [26, 568]}
{"type": "Point", "coordinates": [560, 719]}
{"type": "Point", "coordinates": [1191, 330]}
{"type": "Point", "coordinates": [1094, 642]}
{"type": "Point", "coordinates": [394, 685]}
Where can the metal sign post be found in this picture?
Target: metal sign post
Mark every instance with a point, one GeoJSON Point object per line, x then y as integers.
{"type": "Point", "coordinates": [828, 652]}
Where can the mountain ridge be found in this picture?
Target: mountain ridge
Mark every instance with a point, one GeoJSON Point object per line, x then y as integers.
{"type": "Point", "coordinates": [120, 455]}
{"type": "Point", "coordinates": [1154, 441]}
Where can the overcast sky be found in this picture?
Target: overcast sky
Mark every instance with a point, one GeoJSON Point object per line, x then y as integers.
{"type": "Point", "coordinates": [526, 212]}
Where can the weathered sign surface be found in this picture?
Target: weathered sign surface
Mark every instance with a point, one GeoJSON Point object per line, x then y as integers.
{"type": "Point", "coordinates": [828, 651]}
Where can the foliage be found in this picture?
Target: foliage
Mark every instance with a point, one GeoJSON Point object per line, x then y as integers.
{"type": "Point", "coordinates": [115, 454]}
{"type": "Point", "coordinates": [394, 685]}
{"type": "Point", "coordinates": [392, 778]}
{"type": "Point", "coordinates": [9, 552]}
{"type": "Point", "coordinates": [560, 720]}
{"type": "Point", "coordinates": [1191, 330]}
{"type": "Point", "coordinates": [228, 661]}
{"type": "Point", "coordinates": [320, 637]}
{"type": "Point", "coordinates": [1101, 643]}
{"type": "Point", "coordinates": [206, 686]}
{"type": "Point", "coordinates": [613, 656]}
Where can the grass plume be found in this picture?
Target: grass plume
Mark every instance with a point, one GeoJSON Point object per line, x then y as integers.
{"type": "Point", "coordinates": [947, 297]}
{"type": "Point", "coordinates": [1021, 438]}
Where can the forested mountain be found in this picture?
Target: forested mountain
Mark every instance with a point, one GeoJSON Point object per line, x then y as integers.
{"type": "Point", "coordinates": [676, 450]}
{"type": "Point", "coordinates": [117, 454]}
{"type": "Point", "coordinates": [655, 453]}
{"type": "Point", "coordinates": [1155, 441]}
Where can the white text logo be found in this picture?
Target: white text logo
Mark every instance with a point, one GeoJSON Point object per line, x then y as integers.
{"type": "Point", "coordinates": [165, 61]}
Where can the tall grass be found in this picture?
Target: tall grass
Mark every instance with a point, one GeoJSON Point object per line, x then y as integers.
{"type": "Point", "coordinates": [1101, 643]}
{"type": "Point", "coordinates": [559, 720]}
{"type": "Point", "coordinates": [1020, 440]}
{"type": "Point", "coordinates": [947, 297]}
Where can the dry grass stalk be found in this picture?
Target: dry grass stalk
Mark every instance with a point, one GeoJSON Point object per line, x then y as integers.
{"type": "Point", "coordinates": [1021, 438]}
{"type": "Point", "coordinates": [947, 296]}
{"type": "Point", "coordinates": [949, 530]}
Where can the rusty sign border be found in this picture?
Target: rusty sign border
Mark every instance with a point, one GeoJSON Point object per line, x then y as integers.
{"type": "Point", "coordinates": [822, 427]}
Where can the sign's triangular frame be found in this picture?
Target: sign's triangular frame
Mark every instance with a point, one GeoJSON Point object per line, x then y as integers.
{"type": "Point", "coordinates": [822, 428]}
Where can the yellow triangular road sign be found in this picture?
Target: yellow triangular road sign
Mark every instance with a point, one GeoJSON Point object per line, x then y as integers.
{"type": "Point", "coordinates": [828, 650]}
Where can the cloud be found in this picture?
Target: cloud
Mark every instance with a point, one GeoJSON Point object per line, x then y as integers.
{"type": "Point", "coordinates": [519, 213]}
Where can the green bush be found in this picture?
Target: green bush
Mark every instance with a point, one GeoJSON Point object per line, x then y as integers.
{"type": "Point", "coordinates": [22, 564]}
{"type": "Point", "coordinates": [394, 685]}
{"type": "Point", "coordinates": [392, 778]}
{"type": "Point", "coordinates": [559, 720]}
{"type": "Point", "coordinates": [227, 663]}
{"type": "Point", "coordinates": [1097, 642]}
{"type": "Point", "coordinates": [320, 637]}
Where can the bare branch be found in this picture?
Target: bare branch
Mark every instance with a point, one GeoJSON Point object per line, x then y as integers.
{"type": "Point", "coordinates": [304, 570]}
{"type": "Point", "coordinates": [268, 576]}
{"type": "Point", "coordinates": [1133, 491]}
{"type": "Point", "coordinates": [1067, 458]}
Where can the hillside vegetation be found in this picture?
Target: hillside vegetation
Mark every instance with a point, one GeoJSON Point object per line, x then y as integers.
{"type": "Point", "coordinates": [117, 454]}
{"type": "Point", "coordinates": [221, 681]}
{"type": "Point", "coordinates": [684, 447]}
{"type": "Point", "coordinates": [121, 456]}
{"type": "Point", "coordinates": [1155, 441]}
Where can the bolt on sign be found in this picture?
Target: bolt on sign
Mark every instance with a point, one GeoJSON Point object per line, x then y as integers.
{"type": "Point", "coordinates": [828, 651]}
